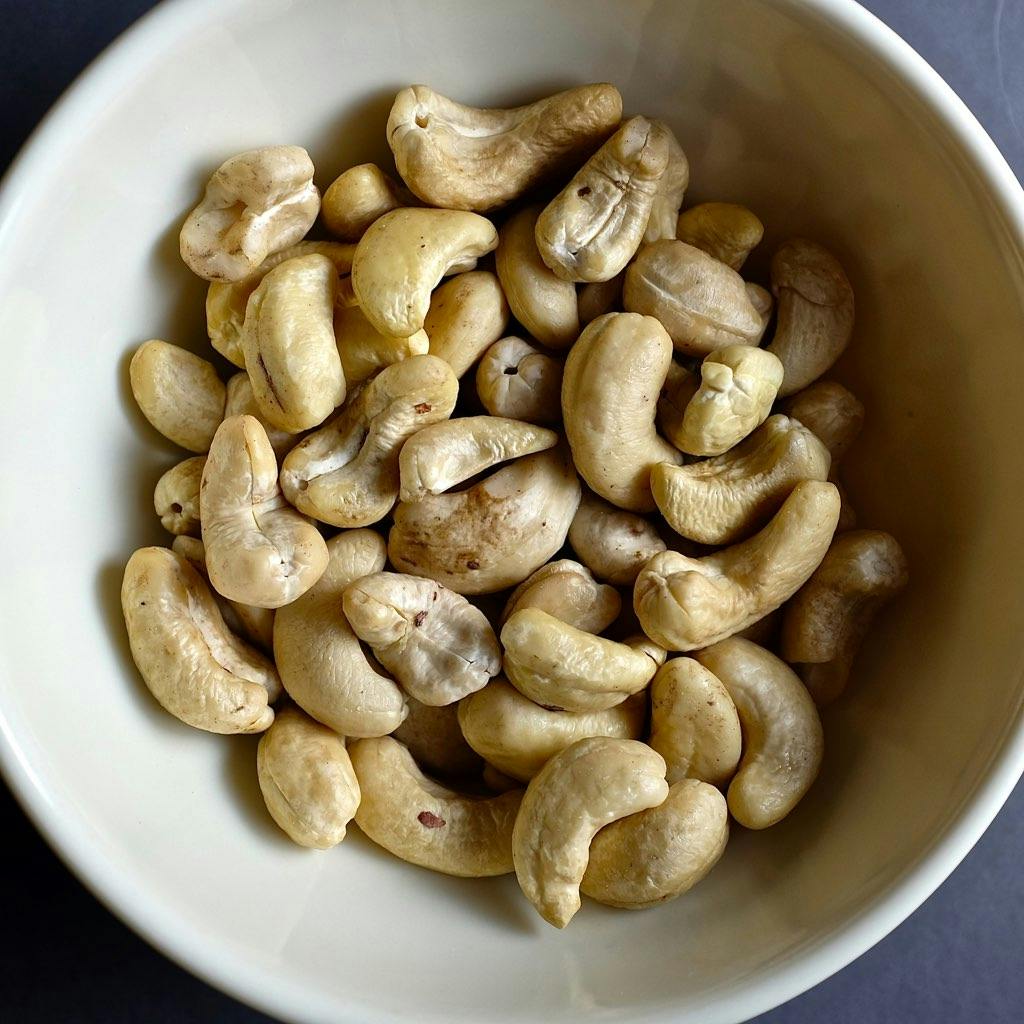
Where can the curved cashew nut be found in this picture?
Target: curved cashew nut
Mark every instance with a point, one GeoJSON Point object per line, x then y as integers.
{"type": "Point", "coordinates": [671, 189]}
{"type": "Point", "coordinates": [259, 550]}
{"type": "Point", "coordinates": [365, 351]}
{"type": "Point", "coordinates": [179, 393]}
{"type": "Point", "coordinates": [680, 386]}
{"type": "Point", "coordinates": [195, 667]}
{"type": "Point", "coordinates": [833, 414]}
{"type": "Point", "coordinates": [726, 231]}
{"type": "Point", "coordinates": [783, 742]}
{"type": "Point", "coordinates": [614, 545]}
{"type": "Point", "coordinates": [568, 591]}
{"type": "Point", "coordinates": [518, 381]}
{"type": "Point", "coordinates": [684, 603]}
{"type": "Point", "coordinates": [241, 401]}
{"type": "Point", "coordinates": [609, 415]}
{"type": "Point", "coordinates": [582, 789]}
{"type": "Point", "coordinates": [434, 738]}
{"type": "Point", "coordinates": [658, 854]}
{"type": "Point", "coordinates": [358, 197]}
{"type": "Point", "coordinates": [176, 497]}
{"type": "Point", "coordinates": [596, 298]}
{"type": "Point", "coordinates": [469, 158]}
{"type": "Point", "coordinates": [423, 822]}
{"type": "Point", "coordinates": [723, 500]}
{"type": "Point", "coordinates": [402, 257]}
{"type": "Point", "coordinates": [307, 780]}
{"type": "Point", "coordinates": [321, 662]}
{"type": "Point", "coordinates": [467, 315]}
{"type": "Point", "coordinates": [256, 203]}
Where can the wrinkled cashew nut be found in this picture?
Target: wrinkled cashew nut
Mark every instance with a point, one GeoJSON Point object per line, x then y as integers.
{"type": "Point", "coordinates": [727, 231]}
{"type": "Point", "coordinates": [176, 497]}
{"type": "Point", "coordinates": [569, 592]}
{"type": "Point", "coordinates": [671, 189]}
{"type": "Point", "coordinates": [679, 387]}
{"type": "Point", "coordinates": [614, 545]}
{"type": "Point", "coordinates": [467, 315]}
{"type": "Point", "coordinates": [518, 381]}
{"type": "Point", "coordinates": [358, 197]}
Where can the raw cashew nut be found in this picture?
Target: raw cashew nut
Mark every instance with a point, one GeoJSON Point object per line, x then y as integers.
{"type": "Point", "coordinates": [684, 603]}
{"type": "Point", "coordinates": [658, 854]}
{"type": "Point", "coordinates": [761, 299]}
{"type": "Point", "coordinates": [321, 662]}
{"type": "Point", "coordinates": [614, 545]}
{"type": "Point", "coordinates": [539, 299]}
{"type": "Point", "coordinates": [582, 789]}
{"type": "Point", "coordinates": [432, 640]}
{"type": "Point", "coordinates": [832, 413]}
{"type": "Point", "coordinates": [782, 738]}
{"type": "Point", "coordinates": [599, 297]}
{"type": "Point", "coordinates": [256, 203]}
{"type": "Point", "coordinates": [726, 231]}
{"type": "Point", "coordinates": [179, 393]}
{"type": "Point", "coordinates": [568, 591]}
{"type": "Point", "coordinates": [702, 303]}
{"type": "Point", "coordinates": [176, 498]}
{"type": "Point", "coordinates": [288, 341]}
{"type": "Point", "coordinates": [680, 386]}
{"type": "Point", "coordinates": [725, 499]}
{"type": "Point", "coordinates": [346, 473]}
{"type": "Point", "coordinates": [518, 381]}
{"type": "Point", "coordinates": [825, 623]}
{"type": "Point", "coordinates": [259, 550]}
{"type": "Point", "coordinates": [307, 780]}
{"type": "Point", "coordinates": [468, 158]}
{"type": "Point", "coordinates": [241, 401]}
{"type": "Point", "coordinates": [694, 724]}
{"type": "Point", "coordinates": [494, 534]}
{"type": "Point", "coordinates": [467, 315]}
{"type": "Point", "coordinates": [609, 414]}
{"type": "Point", "coordinates": [565, 669]}
{"type": "Point", "coordinates": [365, 351]}
{"type": "Point", "coordinates": [402, 257]}
{"type": "Point", "coordinates": [423, 822]}
{"type": "Point", "coordinates": [358, 197]}
{"type": "Point", "coordinates": [815, 318]}
{"type": "Point", "coordinates": [194, 666]}
{"type": "Point", "coordinates": [434, 738]}
{"type": "Point", "coordinates": [444, 455]}
{"type": "Point", "coordinates": [594, 226]}
{"type": "Point", "coordinates": [519, 737]}
{"type": "Point", "coordinates": [671, 189]}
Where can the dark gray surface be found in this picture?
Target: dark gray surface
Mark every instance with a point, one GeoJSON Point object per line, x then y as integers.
{"type": "Point", "coordinates": [960, 958]}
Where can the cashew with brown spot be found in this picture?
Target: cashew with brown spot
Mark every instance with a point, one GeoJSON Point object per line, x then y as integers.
{"type": "Point", "coordinates": [614, 545]}
{"type": "Point", "coordinates": [569, 592]}
{"type": "Point", "coordinates": [434, 738]}
{"type": "Point", "coordinates": [596, 298]}
{"type": "Point", "coordinates": [834, 414]}
{"type": "Point", "coordinates": [726, 231]}
{"type": "Point", "coordinates": [176, 497]}
{"type": "Point", "coordinates": [467, 315]}
{"type": "Point", "coordinates": [518, 381]}
{"type": "Point", "coordinates": [671, 189]}
{"type": "Point", "coordinates": [364, 350]}
{"type": "Point", "coordinates": [358, 197]}
{"type": "Point", "coordinates": [241, 401]}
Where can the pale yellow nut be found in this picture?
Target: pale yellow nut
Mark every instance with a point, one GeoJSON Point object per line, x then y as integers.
{"type": "Point", "coordinates": [467, 315]}
{"type": "Point", "coordinates": [671, 189]}
{"type": "Point", "coordinates": [726, 231]}
{"type": "Point", "coordinates": [614, 545]}
{"type": "Point", "coordinates": [834, 414]}
{"type": "Point", "coordinates": [762, 301]}
{"type": "Point", "coordinates": [434, 738]}
{"type": "Point", "coordinates": [176, 498]}
{"type": "Point", "coordinates": [358, 197]}
{"type": "Point", "coordinates": [569, 592]}
{"type": "Point", "coordinates": [518, 381]}
{"type": "Point", "coordinates": [365, 351]}
{"type": "Point", "coordinates": [241, 401]}
{"type": "Point", "coordinates": [680, 386]}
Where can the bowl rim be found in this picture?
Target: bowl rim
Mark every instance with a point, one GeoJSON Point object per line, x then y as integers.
{"type": "Point", "coordinates": [165, 929]}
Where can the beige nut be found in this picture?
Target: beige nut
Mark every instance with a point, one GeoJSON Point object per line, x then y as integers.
{"type": "Point", "coordinates": [467, 315]}
{"type": "Point", "coordinates": [726, 231]}
{"type": "Point", "coordinates": [195, 667]}
{"type": "Point", "coordinates": [566, 669]}
{"type": "Point", "coordinates": [241, 401]}
{"type": "Point", "coordinates": [680, 386]}
{"type": "Point", "coordinates": [815, 314]}
{"type": "Point", "coordinates": [702, 303]}
{"type": "Point", "coordinates": [609, 414]}
{"type": "Point", "coordinates": [495, 533]}
{"type": "Point", "coordinates": [346, 473]}
{"type": "Point", "coordinates": [783, 742]}
{"type": "Point", "coordinates": [307, 780]}
{"type": "Point", "coordinates": [320, 659]}
{"type": "Point", "coordinates": [656, 855]}
{"type": "Point", "coordinates": [425, 823]}
{"type": "Point", "coordinates": [365, 351]}
{"type": "Point", "coordinates": [256, 203]}
{"type": "Point", "coordinates": [594, 226]}
{"type": "Point", "coordinates": [826, 622]}
{"type": "Point", "coordinates": [432, 640]}
{"type": "Point", "coordinates": [358, 197]}
{"type": "Point", "coordinates": [614, 545]}
{"type": "Point", "coordinates": [580, 790]}
{"type": "Point", "coordinates": [599, 297]}
{"type": "Point", "coordinates": [685, 603]}
{"type": "Point", "coordinates": [470, 158]}
{"type": "Point", "coordinates": [520, 382]}
{"type": "Point", "coordinates": [832, 413]}
{"type": "Point", "coordinates": [568, 591]}
{"type": "Point", "coordinates": [761, 299]}
{"type": "Point", "coordinates": [179, 393]}
{"type": "Point", "coordinates": [519, 737]}
{"type": "Point", "coordinates": [176, 497]}
{"type": "Point", "coordinates": [725, 499]}
{"type": "Point", "coordinates": [434, 738]}
{"type": "Point", "coordinates": [694, 724]}
{"type": "Point", "coordinates": [259, 550]}
{"type": "Point", "coordinates": [402, 257]}
{"type": "Point", "coordinates": [539, 299]}
{"type": "Point", "coordinates": [448, 453]}
{"type": "Point", "coordinates": [671, 189]}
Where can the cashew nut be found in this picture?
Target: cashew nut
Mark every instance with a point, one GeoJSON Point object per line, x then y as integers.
{"type": "Point", "coordinates": [358, 197]}
{"type": "Point", "coordinates": [847, 513]}
{"type": "Point", "coordinates": [346, 473]}
{"type": "Point", "coordinates": [568, 591]}
{"type": "Point", "coordinates": [467, 314]}
{"type": "Point", "coordinates": [782, 738]}
{"type": "Point", "coordinates": [680, 386]}
{"type": "Point", "coordinates": [321, 662]}
{"type": "Point", "coordinates": [516, 380]}
{"type": "Point", "coordinates": [423, 822]}
{"type": "Point", "coordinates": [179, 393]}
{"type": "Point", "coordinates": [614, 545]}
{"type": "Point", "coordinates": [761, 299]}
{"type": "Point", "coordinates": [256, 203]}
{"type": "Point", "coordinates": [815, 317]}
{"type": "Point", "coordinates": [581, 789]}
{"type": "Point", "coordinates": [832, 413]}
{"type": "Point", "coordinates": [364, 350]}
{"type": "Point", "coordinates": [656, 855]}
{"type": "Point", "coordinates": [497, 781]}
{"type": "Point", "coordinates": [671, 189]}
{"type": "Point", "coordinates": [684, 603]}
{"type": "Point", "coordinates": [434, 738]}
{"type": "Point", "coordinates": [176, 498]}
{"type": "Point", "coordinates": [432, 640]}
{"type": "Point", "coordinates": [194, 666]}
{"type": "Point", "coordinates": [307, 780]}
{"type": "Point", "coordinates": [259, 550]}
{"type": "Point", "coordinates": [599, 297]}
{"type": "Point", "coordinates": [609, 414]}
{"type": "Point", "coordinates": [825, 623]}
{"type": "Point", "coordinates": [468, 158]}
{"type": "Point", "coordinates": [726, 231]}
{"type": "Point", "coordinates": [702, 303]}
{"type": "Point", "coordinates": [241, 401]}
{"type": "Point", "coordinates": [402, 257]}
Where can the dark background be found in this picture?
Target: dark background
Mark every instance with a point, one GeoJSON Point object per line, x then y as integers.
{"type": "Point", "coordinates": [960, 958]}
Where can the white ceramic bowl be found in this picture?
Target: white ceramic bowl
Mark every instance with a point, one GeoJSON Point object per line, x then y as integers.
{"type": "Point", "coordinates": [826, 124]}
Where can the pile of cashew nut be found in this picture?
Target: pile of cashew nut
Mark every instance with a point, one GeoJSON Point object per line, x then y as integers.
{"type": "Point", "coordinates": [517, 531]}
